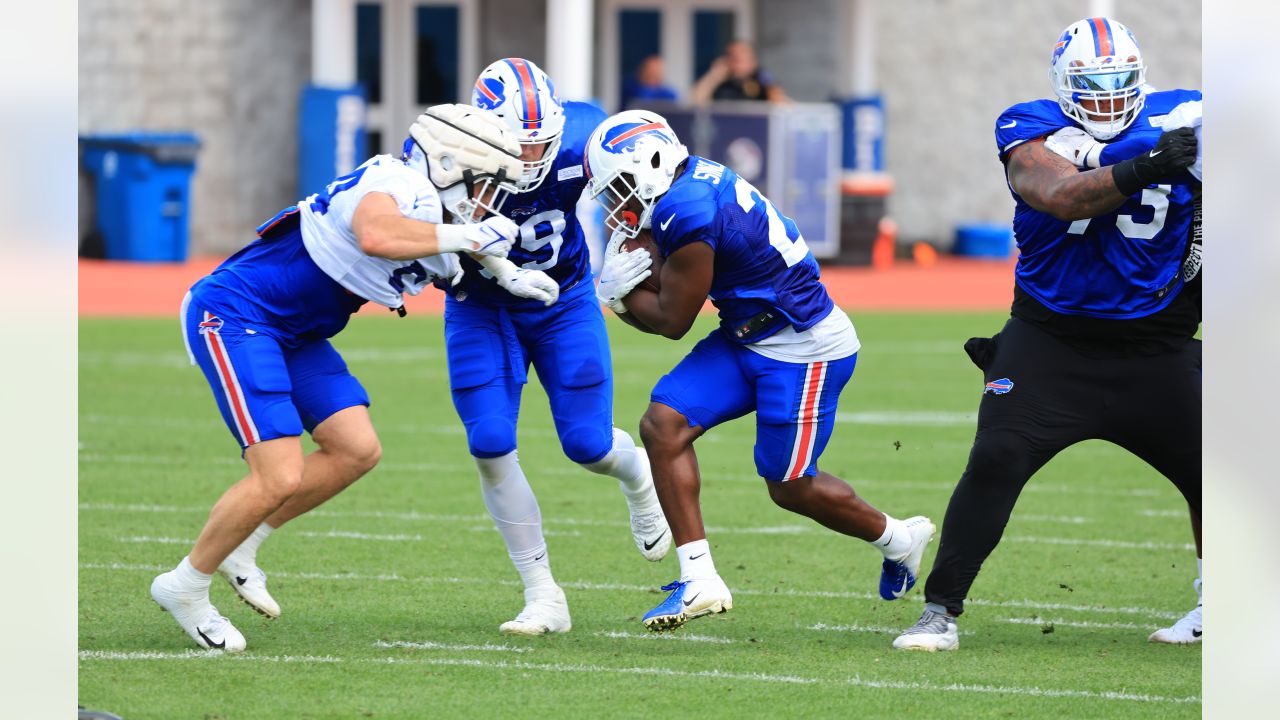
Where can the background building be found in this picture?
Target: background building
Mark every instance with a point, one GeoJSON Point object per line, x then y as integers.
{"type": "Point", "coordinates": [232, 71]}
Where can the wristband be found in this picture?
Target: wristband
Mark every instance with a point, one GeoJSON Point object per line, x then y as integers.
{"type": "Point", "coordinates": [1125, 175]}
{"type": "Point", "coordinates": [452, 238]}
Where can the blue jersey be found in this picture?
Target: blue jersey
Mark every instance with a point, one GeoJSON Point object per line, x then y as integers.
{"type": "Point", "coordinates": [551, 238]}
{"type": "Point", "coordinates": [761, 261]}
{"type": "Point", "coordinates": [1123, 264]}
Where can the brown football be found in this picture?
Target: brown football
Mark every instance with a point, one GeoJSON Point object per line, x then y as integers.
{"type": "Point", "coordinates": [645, 240]}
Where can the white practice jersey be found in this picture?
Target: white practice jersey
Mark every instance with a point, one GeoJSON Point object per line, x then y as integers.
{"type": "Point", "coordinates": [327, 233]}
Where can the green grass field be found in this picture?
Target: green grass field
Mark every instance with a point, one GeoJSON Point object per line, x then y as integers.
{"type": "Point", "coordinates": [393, 592]}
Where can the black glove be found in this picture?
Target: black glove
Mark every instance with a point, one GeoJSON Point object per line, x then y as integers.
{"type": "Point", "coordinates": [1174, 152]}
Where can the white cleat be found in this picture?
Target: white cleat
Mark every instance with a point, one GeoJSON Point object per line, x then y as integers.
{"type": "Point", "coordinates": [200, 619]}
{"type": "Point", "coordinates": [545, 611]}
{"type": "Point", "coordinates": [934, 631]}
{"type": "Point", "coordinates": [649, 528]}
{"type": "Point", "coordinates": [250, 583]}
{"type": "Point", "coordinates": [689, 599]}
{"type": "Point", "coordinates": [1186, 631]}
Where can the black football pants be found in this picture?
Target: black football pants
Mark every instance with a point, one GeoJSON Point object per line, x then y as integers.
{"type": "Point", "coordinates": [1148, 405]}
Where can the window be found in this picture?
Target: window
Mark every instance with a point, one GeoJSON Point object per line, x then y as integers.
{"type": "Point", "coordinates": [369, 49]}
{"type": "Point", "coordinates": [436, 54]}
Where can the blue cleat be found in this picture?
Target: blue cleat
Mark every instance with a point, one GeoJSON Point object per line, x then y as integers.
{"type": "Point", "coordinates": [897, 577]}
{"type": "Point", "coordinates": [689, 599]}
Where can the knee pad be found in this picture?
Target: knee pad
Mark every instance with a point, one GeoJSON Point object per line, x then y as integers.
{"type": "Point", "coordinates": [491, 436]}
{"type": "Point", "coordinates": [586, 444]}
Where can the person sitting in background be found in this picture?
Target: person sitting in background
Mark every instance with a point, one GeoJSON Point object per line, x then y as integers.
{"type": "Point", "coordinates": [648, 83]}
{"type": "Point", "coordinates": [737, 75]}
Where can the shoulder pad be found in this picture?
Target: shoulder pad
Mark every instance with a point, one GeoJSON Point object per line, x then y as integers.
{"type": "Point", "coordinates": [1028, 121]}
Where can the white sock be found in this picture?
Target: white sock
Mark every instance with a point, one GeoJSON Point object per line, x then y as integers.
{"type": "Point", "coordinates": [624, 463]}
{"type": "Point", "coordinates": [896, 540]}
{"type": "Point", "coordinates": [248, 550]}
{"type": "Point", "coordinates": [190, 579]}
{"type": "Point", "coordinates": [695, 560]}
{"type": "Point", "coordinates": [1199, 581]}
{"type": "Point", "coordinates": [515, 512]}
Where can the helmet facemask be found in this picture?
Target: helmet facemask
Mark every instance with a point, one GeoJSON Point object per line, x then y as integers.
{"type": "Point", "coordinates": [535, 171]}
{"type": "Point", "coordinates": [1112, 90]}
{"type": "Point", "coordinates": [616, 196]}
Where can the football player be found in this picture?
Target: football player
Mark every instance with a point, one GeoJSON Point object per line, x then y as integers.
{"type": "Point", "coordinates": [1100, 343]}
{"type": "Point", "coordinates": [783, 349]}
{"type": "Point", "coordinates": [492, 338]}
{"type": "Point", "coordinates": [258, 326]}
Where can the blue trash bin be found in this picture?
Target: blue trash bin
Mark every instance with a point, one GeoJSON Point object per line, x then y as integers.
{"type": "Point", "coordinates": [983, 240]}
{"type": "Point", "coordinates": [143, 192]}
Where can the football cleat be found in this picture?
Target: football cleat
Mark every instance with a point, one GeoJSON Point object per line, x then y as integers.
{"type": "Point", "coordinates": [194, 613]}
{"type": "Point", "coordinates": [250, 583]}
{"type": "Point", "coordinates": [545, 611]}
{"type": "Point", "coordinates": [1186, 631]}
{"type": "Point", "coordinates": [932, 632]}
{"type": "Point", "coordinates": [897, 577]}
{"type": "Point", "coordinates": [649, 528]}
{"type": "Point", "coordinates": [689, 599]}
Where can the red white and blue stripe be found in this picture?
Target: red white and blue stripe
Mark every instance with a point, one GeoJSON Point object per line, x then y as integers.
{"type": "Point", "coordinates": [529, 106]}
{"type": "Point", "coordinates": [1102, 43]}
{"type": "Point", "coordinates": [807, 420]}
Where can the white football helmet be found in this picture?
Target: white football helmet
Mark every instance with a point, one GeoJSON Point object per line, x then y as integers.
{"type": "Point", "coordinates": [524, 97]}
{"type": "Point", "coordinates": [468, 155]}
{"type": "Point", "coordinates": [1097, 61]}
{"type": "Point", "coordinates": [633, 154]}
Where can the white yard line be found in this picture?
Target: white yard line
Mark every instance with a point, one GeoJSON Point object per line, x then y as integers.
{"type": "Point", "coordinates": [1163, 513]}
{"type": "Point", "coordinates": [1093, 542]}
{"type": "Point", "coordinates": [430, 645]}
{"type": "Point", "coordinates": [855, 627]}
{"type": "Point", "coordinates": [580, 585]}
{"type": "Point", "coordinates": [1078, 624]}
{"type": "Point", "coordinates": [680, 636]}
{"type": "Point", "coordinates": [764, 678]}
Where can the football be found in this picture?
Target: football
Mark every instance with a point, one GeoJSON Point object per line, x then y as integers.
{"type": "Point", "coordinates": [645, 240]}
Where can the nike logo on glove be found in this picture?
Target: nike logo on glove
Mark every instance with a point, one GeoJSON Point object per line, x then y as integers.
{"type": "Point", "coordinates": [649, 545]}
{"type": "Point", "coordinates": [1154, 153]}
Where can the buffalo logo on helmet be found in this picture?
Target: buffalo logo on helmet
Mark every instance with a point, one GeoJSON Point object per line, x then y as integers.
{"type": "Point", "coordinates": [623, 138]}
{"type": "Point", "coordinates": [1060, 47]}
{"type": "Point", "coordinates": [488, 93]}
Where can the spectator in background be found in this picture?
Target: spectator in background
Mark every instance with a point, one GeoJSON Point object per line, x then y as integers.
{"type": "Point", "coordinates": [737, 75]}
{"type": "Point", "coordinates": [648, 83]}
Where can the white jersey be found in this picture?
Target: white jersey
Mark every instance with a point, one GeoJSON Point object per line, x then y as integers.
{"type": "Point", "coordinates": [327, 234]}
{"type": "Point", "coordinates": [1189, 114]}
{"type": "Point", "coordinates": [832, 338]}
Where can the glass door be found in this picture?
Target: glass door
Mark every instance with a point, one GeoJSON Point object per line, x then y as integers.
{"type": "Point", "coordinates": [411, 54]}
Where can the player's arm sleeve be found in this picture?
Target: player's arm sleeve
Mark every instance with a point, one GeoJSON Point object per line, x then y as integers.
{"type": "Point", "coordinates": [1026, 122]}
{"type": "Point", "coordinates": [387, 179]}
{"type": "Point", "coordinates": [683, 217]}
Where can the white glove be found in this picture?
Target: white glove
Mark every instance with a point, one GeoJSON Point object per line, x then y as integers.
{"type": "Point", "coordinates": [532, 284]}
{"type": "Point", "coordinates": [494, 236]}
{"type": "Point", "coordinates": [620, 275]}
{"type": "Point", "coordinates": [1077, 146]}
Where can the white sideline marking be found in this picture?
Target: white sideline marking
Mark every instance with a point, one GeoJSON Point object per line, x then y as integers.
{"type": "Point", "coordinates": [909, 418]}
{"type": "Point", "coordinates": [877, 629]}
{"type": "Point", "coordinates": [1064, 519]}
{"type": "Point", "coordinates": [591, 522]}
{"type": "Point", "coordinates": [663, 636]}
{"type": "Point", "coordinates": [1163, 513]}
{"type": "Point", "coordinates": [855, 681]}
{"type": "Point", "coordinates": [1121, 544]}
{"type": "Point", "coordinates": [1079, 624]}
{"type": "Point", "coordinates": [429, 645]}
{"type": "Point", "coordinates": [580, 585]}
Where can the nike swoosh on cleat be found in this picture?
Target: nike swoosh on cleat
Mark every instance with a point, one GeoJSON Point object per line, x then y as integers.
{"type": "Point", "coordinates": [1197, 633]}
{"type": "Point", "coordinates": [241, 580]}
{"type": "Point", "coordinates": [649, 545]}
{"type": "Point", "coordinates": [214, 645]}
{"type": "Point", "coordinates": [689, 602]}
{"type": "Point", "coordinates": [902, 590]}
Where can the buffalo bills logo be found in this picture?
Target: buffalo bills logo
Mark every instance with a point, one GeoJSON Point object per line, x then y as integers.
{"type": "Point", "coordinates": [521, 212]}
{"type": "Point", "coordinates": [211, 325]}
{"type": "Point", "coordinates": [488, 94]}
{"type": "Point", "coordinates": [1060, 47]}
{"type": "Point", "coordinates": [998, 387]}
{"type": "Point", "coordinates": [623, 137]}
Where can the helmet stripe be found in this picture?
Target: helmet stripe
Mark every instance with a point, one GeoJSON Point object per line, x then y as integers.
{"type": "Point", "coordinates": [634, 132]}
{"type": "Point", "coordinates": [1102, 44]}
{"type": "Point", "coordinates": [528, 87]}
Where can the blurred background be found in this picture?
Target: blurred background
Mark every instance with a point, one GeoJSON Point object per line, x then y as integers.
{"type": "Point", "coordinates": [844, 112]}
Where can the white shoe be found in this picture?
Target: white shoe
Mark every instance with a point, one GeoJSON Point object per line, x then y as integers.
{"type": "Point", "coordinates": [250, 583]}
{"type": "Point", "coordinates": [649, 529]}
{"type": "Point", "coordinates": [545, 611]}
{"type": "Point", "coordinates": [194, 613]}
{"type": "Point", "coordinates": [897, 577]}
{"type": "Point", "coordinates": [689, 599]}
{"type": "Point", "coordinates": [1186, 631]}
{"type": "Point", "coordinates": [932, 632]}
